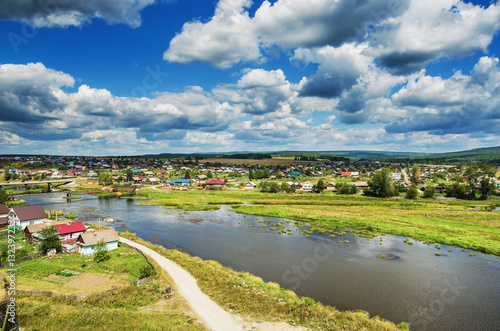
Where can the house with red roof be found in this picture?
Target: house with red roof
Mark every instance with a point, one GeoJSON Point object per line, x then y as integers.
{"type": "Point", "coordinates": [70, 230]}
{"type": "Point", "coordinates": [216, 182]}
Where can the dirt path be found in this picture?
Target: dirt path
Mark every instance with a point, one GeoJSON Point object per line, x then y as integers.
{"type": "Point", "coordinates": [214, 316]}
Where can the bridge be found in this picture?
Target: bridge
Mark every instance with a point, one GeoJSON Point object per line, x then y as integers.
{"type": "Point", "coordinates": [50, 183]}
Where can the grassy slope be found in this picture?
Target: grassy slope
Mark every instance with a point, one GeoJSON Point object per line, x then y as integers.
{"type": "Point", "coordinates": [119, 310]}
{"type": "Point", "coordinates": [453, 222]}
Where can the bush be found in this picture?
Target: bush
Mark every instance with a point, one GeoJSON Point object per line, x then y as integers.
{"type": "Point", "coordinates": [145, 271]}
{"type": "Point", "coordinates": [412, 192]}
{"type": "Point", "coordinates": [101, 253]}
{"type": "Point", "coordinates": [49, 239]}
{"type": "Point", "coordinates": [429, 192]}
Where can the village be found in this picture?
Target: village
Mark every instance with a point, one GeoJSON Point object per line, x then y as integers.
{"type": "Point", "coordinates": [74, 237]}
{"type": "Point", "coordinates": [218, 174]}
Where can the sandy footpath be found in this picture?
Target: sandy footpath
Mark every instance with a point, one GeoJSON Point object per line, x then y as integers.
{"type": "Point", "coordinates": [213, 315]}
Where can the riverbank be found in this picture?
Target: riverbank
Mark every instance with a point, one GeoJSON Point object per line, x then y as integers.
{"type": "Point", "coordinates": [244, 294]}
{"type": "Point", "coordinates": [454, 223]}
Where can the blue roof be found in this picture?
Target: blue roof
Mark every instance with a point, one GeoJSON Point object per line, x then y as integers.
{"type": "Point", "coordinates": [181, 180]}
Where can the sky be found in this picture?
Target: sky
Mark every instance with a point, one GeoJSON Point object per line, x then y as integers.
{"type": "Point", "coordinates": [133, 77]}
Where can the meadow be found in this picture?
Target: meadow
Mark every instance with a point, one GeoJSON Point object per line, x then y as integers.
{"type": "Point", "coordinates": [458, 223]}
{"type": "Point", "coordinates": [126, 308]}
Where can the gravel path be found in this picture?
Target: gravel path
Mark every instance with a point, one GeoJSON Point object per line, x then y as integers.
{"type": "Point", "coordinates": [214, 316]}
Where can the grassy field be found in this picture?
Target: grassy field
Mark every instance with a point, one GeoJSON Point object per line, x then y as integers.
{"type": "Point", "coordinates": [455, 223]}
{"type": "Point", "coordinates": [128, 308]}
{"type": "Point", "coordinates": [248, 295]}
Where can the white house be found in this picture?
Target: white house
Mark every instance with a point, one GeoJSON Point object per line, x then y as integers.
{"type": "Point", "coordinates": [27, 215]}
{"type": "Point", "coordinates": [56, 175]}
{"type": "Point", "coordinates": [250, 186]}
{"type": "Point", "coordinates": [307, 186]}
{"type": "Point", "coordinates": [87, 240]}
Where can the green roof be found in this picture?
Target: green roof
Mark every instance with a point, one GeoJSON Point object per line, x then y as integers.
{"type": "Point", "coordinates": [295, 173]}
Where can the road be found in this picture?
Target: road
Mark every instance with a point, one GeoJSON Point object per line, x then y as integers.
{"type": "Point", "coordinates": [214, 317]}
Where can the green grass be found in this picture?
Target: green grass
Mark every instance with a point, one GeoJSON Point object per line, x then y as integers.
{"type": "Point", "coordinates": [70, 215]}
{"type": "Point", "coordinates": [124, 264]}
{"type": "Point", "coordinates": [134, 197]}
{"type": "Point", "coordinates": [107, 194]}
{"type": "Point", "coordinates": [41, 313]}
{"type": "Point", "coordinates": [16, 202]}
{"type": "Point", "coordinates": [243, 293]}
{"type": "Point", "coordinates": [117, 310]}
{"type": "Point", "coordinates": [429, 220]}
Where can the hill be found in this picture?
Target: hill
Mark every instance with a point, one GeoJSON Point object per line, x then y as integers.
{"type": "Point", "coordinates": [490, 155]}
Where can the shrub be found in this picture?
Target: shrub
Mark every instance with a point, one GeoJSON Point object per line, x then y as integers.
{"type": "Point", "coordinates": [101, 253]}
{"type": "Point", "coordinates": [145, 271]}
{"type": "Point", "coordinates": [429, 192]}
{"type": "Point", "coordinates": [412, 192]}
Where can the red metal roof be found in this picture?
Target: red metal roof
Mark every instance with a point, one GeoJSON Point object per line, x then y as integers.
{"type": "Point", "coordinates": [26, 213]}
{"type": "Point", "coordinates": [216, 182]}
{"type": "Point", "coordinates": [4, 209]}
{"type": "Point", "coordinates": [71, 228]}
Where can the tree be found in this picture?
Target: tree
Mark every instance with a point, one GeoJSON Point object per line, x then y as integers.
{"type": "Point", "coordinates": [101, 253]}
{"type": "Point", "coordinates": [319, 187]}
{"type": "Point", "coordinates": [104, 178]}
{"type": "Point", "coordinates": [187, 175]}
{"type": "Point", "coordinates": [3, 196]}
{"type": "Point", "coordinates": [429, 192]}
{"type": "Point", "coordinates": [415, 175]}
{"type": "Point", "coordinates": [380, 184]}
{"type": "Point", "coordinates": [487, 187]}
{"type": "Point", "coordinates": [344, 188]}
{"type": "Point", "coordinates": [279, 175]}
{"type": "Point", "coordinates": [250, 174]}
{"type": "Point", "coordinates": [7, 176]}
{"type": "Point", "coordinates": [130, 174]}
{"type": "Point", "coordinates": [209, 174]}
{"type": "Point", "coordinates": [49, 239]}
{"type": "Point", "coordinates": [412, 192]}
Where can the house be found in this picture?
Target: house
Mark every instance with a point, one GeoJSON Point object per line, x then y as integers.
{"type": "Point", "coordinates": [4, 220]}
{"type": "Point", "coordinates": [294, 173]}
{"type": "Point", "coordinates": [70, 230]}
{"type": "Point", "coordinates": [153, 180]}
{"type": "Point", "coordinates": [92, 180]}
{"type": "Point", "coordinates": [181, 182]}
{"type": "Point", "coordinates": [87, 240]}
{"type": "Point", "coordinates": [346, 174]}
{"type": "Point", "coordinates": [216, 182]}
{"type": "Point", "coordinates": [56, 175]}
{"type": "Point", "coordinates": [201, 177]}
{"type": "Point", "coordinates": [31, 231]}
{"type": "Point", "coordinates": [250, 186]}
{"type": "Point", "coordinates": [307, 186]}
{"type": "Point", "coordinates": [359, 185]}
{"type": "Point", "coordinates": [27, 215]}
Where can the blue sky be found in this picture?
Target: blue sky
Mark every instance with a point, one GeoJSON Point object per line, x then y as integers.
{"type": "Point", "coordinates": [125, 77]}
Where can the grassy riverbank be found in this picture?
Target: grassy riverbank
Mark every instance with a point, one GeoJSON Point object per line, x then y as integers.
{"type": "Point", "coordinates": [455, 223]}
{"type": "Point", "coordinates": [126, 308]}
{"type": "Point", "coordinates": [244, 294]}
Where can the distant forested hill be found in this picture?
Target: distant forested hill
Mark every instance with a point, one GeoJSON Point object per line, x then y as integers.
{"type": "Point", "coordinates": [490, 155]}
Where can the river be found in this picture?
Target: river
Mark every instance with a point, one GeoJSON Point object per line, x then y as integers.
{"type": "Point", "coordinates": [454, 291]}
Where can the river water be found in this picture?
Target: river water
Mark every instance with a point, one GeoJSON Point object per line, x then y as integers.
{"type": "Point", "coordinates": [454, 291]}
